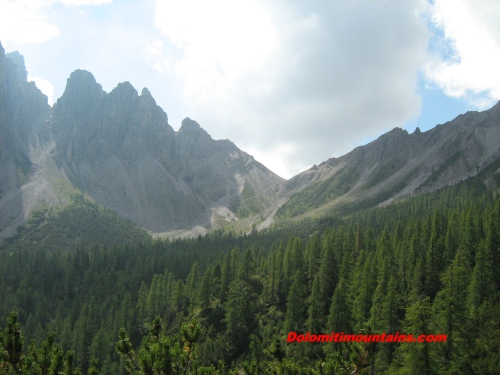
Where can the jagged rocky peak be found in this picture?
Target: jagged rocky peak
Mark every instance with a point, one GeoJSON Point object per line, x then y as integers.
{"type": "Point", "coordinates": [396, 132]}
{"type": "Point", "coordinates": [189, 125]}
{"type": "Point", "coordinates": [383, 144]}
{"type": "Point", "coordinates": [23, 114]}
{"type": "Point", "coordinates": [147, 97]}
{"type": "Point", "coordinates": [145, 92]}
{"type": "Point", "coordinates": [24, 104]}
{"type": "Point", "coordinates": [82, 80]}
{"type": "Point", "coordinates": [81, 92]}
{"type": "Point", "coordinates": [124, 91]}
{"type": "Point", "coordinates": [192, 141]}
{"type": "Point", "coordinates": [18, 61]}
{"type": "Point", "coordinates": [190, 128]}
{"type": "Point", "coordinates": [3, 69]}
{"type": "Point", "coordinates": [92, 125]}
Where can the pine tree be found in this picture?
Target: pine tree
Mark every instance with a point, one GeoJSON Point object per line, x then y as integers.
{"type": "Point", "coordinates": [49, 359]}
{"type": "Point", "coordinates": [313, 254]}
{"type": "Point", "coordinates": [226, 276]}
{"type": "Point", "coordinates": [12, 346]}
{"type": "Point", "coordinates": [362, 288]}
{"type": "Point", "coordinates": [416, 358]}
{"type": "Point", "coordinates": [192, 282]}
{"type": "Point", "coordinates": [239, 317]}
{"type": "Point", "coordinates": [206, 289]}
{"type": "Point", "coordinates": [339, 318]}
{"type": "Point", "coordinates": [247, 266]}
{"type": "Point", "coordinates": [328, 275]}
{"type": "Point", "coordinates": [482, 283]}
{"type": "Point", "coordinates": [452, 318]}
{"type": "Point", "coordinates": [433, 260]}
{"type": "Point", "coordinates": [295, 306]}
{"type": "Point", "coordinates": [157, 355]}
{"type": "Point", "coordinates": [315, 310]}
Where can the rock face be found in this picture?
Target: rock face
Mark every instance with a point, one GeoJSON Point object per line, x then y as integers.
{"type": "Point", "coordinates": [24, 109]}
{"type": "Point", "coordinates": [120, 149]}
{"type": "Point", "coordinates": [23, 113]}
{"type": "Point", "coordinates": [398, 165]}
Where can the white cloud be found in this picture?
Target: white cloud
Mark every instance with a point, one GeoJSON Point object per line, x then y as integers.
{"type": "Point", "coordinates": [85, 2]}
{"type": "Point", "coordinates": [21, 22]}
{"type": "Point", "coordinates": [25, 22]}
{"type": "Point", "coordinates": [153, 53]}
{"type": "Point", "coordinates": [292, 82]}
{"type": "Point", "coordinates": [219, 40]}
{"type": "Point", "coordinates": [45, 86]}
{"type": "Point", "coordinates": [275, 158]}
{"type": "Point", "coordinates": [312, 77]}
{"type": "Point", "coordinates": [470, 71]}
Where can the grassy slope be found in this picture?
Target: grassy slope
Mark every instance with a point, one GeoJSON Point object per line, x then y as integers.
{"type": "Point", "coordinates": [314, 203]}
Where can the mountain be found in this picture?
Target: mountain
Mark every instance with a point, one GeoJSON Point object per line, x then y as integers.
{"type": "Point", "coordinates": [118, 149]}
{"type": "Point", "coordinates": [399, 165]}
{"type": "Point", "coordinates": [24, 113]}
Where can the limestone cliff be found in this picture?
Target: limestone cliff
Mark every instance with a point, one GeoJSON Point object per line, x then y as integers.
{"type": "Point", "coordinates": [23, 115]}
{"type": "Point", "coordinates": [119, 148]}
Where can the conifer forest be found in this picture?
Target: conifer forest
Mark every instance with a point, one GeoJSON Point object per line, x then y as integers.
{"type": "Point", "coordinates": [225, 303]}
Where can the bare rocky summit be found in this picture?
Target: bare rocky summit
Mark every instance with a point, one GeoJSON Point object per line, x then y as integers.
{"type": "Point", "coordinates": [119, 150]}
{"type": "Point", "coordinates": [24, 113]}
{"type": "Point", "coordinates": [398, 165]}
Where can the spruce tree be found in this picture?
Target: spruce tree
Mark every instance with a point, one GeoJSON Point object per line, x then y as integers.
{"type": "Point", "coordinates": [295, 306]}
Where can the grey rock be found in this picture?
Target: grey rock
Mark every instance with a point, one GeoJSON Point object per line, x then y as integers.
{"type": "Point", "coordinates": [398, 165]}
{"type": "Point", "coordinates": [23, 114]}
{"type": "Point", "coordinates": [120, 149]}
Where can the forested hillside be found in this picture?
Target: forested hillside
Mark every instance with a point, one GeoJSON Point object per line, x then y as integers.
{"type": "Point", "coordinates": [81, 222]}
{"type": "Point", "coordinates": [227, 303]}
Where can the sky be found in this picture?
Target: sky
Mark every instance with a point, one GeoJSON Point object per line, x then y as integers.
{"type": "Point", "coordinates": [292, 83]}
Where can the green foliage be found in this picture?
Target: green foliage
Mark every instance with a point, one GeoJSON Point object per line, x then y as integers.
{"type": "Point", "coordinates": [248, 203]}
{"type": "Point", "coordinates": [226, 303]}
{"type": "Point", "coordinates": [320, 193]}
{"type": "Point", "coordinates": [157, 354]}
{"type": "Point", "coordinates": [81, 223]}
{"type": "Point", "coordinates": [48, 359]}
{"type": "Point", "coordinates": [384, 170]}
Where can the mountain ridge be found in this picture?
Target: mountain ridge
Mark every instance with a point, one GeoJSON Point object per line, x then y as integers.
{"type": "Point", "coordinates": [400, 164]}
{"type": "Point", "coordinates": [119, 150]}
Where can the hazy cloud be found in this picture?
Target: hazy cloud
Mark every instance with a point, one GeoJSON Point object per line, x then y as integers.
{"type": "Point", "coordinates": [291, 82]}
{"type": "Point", "coordinates": [470, 68]}
{"type": "Point", "coordinates": [22, 22]}
{"type": "Point", "coordinates": [85, 2]}
{"type": "Point", "coordinates": [26, 21]}
{"type": "Point", "coordinates": [45, 86]}
{"type": "Point", "coordinates": [219, 40]}
{"type": "Point", "coordinates": [308, 77]}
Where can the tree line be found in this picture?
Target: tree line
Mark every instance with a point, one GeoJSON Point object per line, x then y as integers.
{"type": "Point", "coordinates": [225, 304]}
